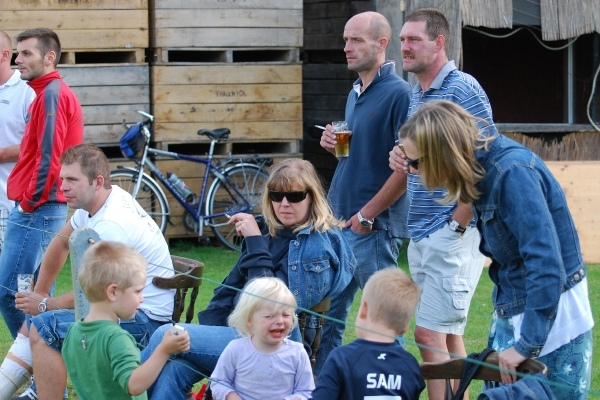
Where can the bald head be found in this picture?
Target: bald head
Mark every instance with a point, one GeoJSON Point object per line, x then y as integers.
{"type": "Point", "coordinates": [5, 42]}
{"type": "Point", "coordinates": [376, 23]}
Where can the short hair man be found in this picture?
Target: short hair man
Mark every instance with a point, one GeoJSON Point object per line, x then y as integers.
{"type": "Point", "coordinates": [116, 216]}
{"type": "Point", "coordinates": [443, 254]}
{"type": "Point", "coordinates": [15, 98]}
{"type": "Point", "coordinates": [54, 123]}
{"type": "Point", "coordinates": [363, 191]}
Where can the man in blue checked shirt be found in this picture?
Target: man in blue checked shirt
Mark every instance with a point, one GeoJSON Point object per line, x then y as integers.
{"type": "Point", "coordinates": [443, 254]}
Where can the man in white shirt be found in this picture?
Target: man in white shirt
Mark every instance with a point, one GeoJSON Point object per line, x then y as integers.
{"type": "Point", "coordinates": [15, 98]}
{"type": "Point", "coordinates": [114, 215]}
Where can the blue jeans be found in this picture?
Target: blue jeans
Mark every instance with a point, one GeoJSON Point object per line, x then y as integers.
{"type": "Point", "coordinates": [183, 370]}
{"type": "Point", "coordinates": [27, 238]}
{"type": "Point", "coordinates": [373, 252]}
{"type": "Point", "coordinates": [53, 326]}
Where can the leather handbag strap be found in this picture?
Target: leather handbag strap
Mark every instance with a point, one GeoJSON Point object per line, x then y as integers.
{"type": "Point", "coordinates": [469, 371]}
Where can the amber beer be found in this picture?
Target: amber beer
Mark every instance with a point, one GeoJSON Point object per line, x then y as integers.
{"type": "Point", "coordinates": [342, 148]}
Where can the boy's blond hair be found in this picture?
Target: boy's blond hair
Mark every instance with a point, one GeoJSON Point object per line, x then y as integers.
{"type": "Point", "coordinates": [108, 262]}
{"type": "Point", "coordinates": [255, 294]}
{"type": "Point", "coordinates": [391, 297]}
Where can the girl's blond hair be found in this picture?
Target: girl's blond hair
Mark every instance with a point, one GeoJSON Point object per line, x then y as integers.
{"type": "Point", "coordinates": [254, 295]}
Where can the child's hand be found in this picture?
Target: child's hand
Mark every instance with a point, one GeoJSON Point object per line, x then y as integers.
{"type": "Point", "coordinates": [173, 344]}
{"type": "Point", "coordinates": [233, 396]}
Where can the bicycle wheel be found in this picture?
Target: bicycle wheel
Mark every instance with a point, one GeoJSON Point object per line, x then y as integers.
{"type": "Point", "coordinates": [150, 196]}
{"type": "Point", "coordinates": [249, 180]}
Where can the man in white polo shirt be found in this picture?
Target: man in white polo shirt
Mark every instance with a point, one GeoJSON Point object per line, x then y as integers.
{"type": "Point", "coordinates": [15, 98]}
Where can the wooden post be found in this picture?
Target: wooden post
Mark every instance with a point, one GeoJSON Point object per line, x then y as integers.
{"type": "Point", "coordinates": [81, 240]}
{"type": "Point", "coordinates": [391, 9]}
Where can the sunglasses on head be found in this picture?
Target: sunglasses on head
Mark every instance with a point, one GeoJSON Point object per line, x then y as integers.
{"type": "Point", "coordinates": [292, 197]}
{"type": "Point", "coordinates": [413, 163]}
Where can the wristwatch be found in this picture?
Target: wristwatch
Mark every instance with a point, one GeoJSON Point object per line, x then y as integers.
{"type": "Point", "coordinates": [455, 226]}
{"type": "Point", "coordinates": [43, 306]}
{"type": "Point", "coordinates": [367, 223]}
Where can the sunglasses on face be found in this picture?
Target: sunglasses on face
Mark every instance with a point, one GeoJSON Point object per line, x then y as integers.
{"type": "Point", "coordinates": [413, 163]}
{"type": "Point", "coordinates": [292, 197]}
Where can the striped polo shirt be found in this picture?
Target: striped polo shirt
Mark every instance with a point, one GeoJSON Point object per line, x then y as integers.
{"type": "Point", "coordinates": [426, 213]}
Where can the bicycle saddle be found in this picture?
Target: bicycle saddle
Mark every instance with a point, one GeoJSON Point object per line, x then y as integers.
{"type": "Point", "coordinates": [215, 134]}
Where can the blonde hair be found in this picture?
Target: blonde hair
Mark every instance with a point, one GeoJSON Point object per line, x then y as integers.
{"type": "Point", "coordinates": [255, 294]}
{"type": "Point", "coordinates": [391, 297]}
{"type": "Point", "coordinates": [108, 262]}
{"type": "Point", "coordinates": [447, 136]}
{"type": "Point", "coordinates": [295, 172]}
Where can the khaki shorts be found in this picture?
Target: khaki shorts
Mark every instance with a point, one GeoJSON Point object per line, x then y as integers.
{"type": "Point", "coordinates": [446, 267]}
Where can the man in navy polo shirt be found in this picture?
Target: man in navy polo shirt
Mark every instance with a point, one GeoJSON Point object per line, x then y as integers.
{"type": "Point", "coordinates": [364, 190]}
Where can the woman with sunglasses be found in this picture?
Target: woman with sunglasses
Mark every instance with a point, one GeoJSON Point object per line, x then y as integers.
{"type": "Point", "coordinates": [540, 298]}
{"type": "Point", "coordinates": [297, 239]}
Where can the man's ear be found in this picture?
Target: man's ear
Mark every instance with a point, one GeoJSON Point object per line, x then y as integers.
{"type": "Point", "coordinates": [99, 182]}
{"type": "Point", "coordinates": [111, 292]}
{"type": "Point", "coordinates": [440, 43]}
{"type": "Point", "coordinates": [49, 58]}
{"type": "Point", "coordinates": [6, 54]}
{"type": "Point", "coordinates": [383, 43]}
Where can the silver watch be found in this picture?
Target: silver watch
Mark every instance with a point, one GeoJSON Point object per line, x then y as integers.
{"type": "Point", "coordinates": [455, 226]}
{"type": "Point", "coordinates": [43, 306]}
{"type": "Point", "coordinates": [367, 223]}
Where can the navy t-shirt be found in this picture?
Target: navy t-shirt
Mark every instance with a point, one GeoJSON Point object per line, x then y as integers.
{"type": "Point", "coordinates": [364, 368]}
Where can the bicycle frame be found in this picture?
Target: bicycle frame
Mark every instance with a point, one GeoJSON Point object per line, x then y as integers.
{"type": "Point", "coordinates": [210, 168]}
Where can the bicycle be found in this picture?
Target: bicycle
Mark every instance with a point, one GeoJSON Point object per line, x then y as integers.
{"type": "Point", "coordinates": [237, 184]}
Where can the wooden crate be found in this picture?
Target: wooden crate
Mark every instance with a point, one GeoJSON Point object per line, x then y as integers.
{"type": "Point", "coordinates": [226, 23]}
{"type": "Point", "coordinates": [256, 102]}
{"type": "Point", "coordinates": [81, 24]}
{"type": "Point", "coordinates": [109, 94]}
{"type": "Point", "coordinates": [580, 181]}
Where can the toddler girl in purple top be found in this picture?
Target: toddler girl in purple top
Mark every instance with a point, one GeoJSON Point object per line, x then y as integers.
{"type": "Point", "coordinates": [263, 364]}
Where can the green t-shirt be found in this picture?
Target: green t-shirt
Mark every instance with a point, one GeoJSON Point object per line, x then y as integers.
{"type": "Point", "coordinates": [100, 357]}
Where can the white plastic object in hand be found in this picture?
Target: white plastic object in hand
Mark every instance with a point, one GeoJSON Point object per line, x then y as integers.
{"type": "Point", "coordinates": [177, 330]}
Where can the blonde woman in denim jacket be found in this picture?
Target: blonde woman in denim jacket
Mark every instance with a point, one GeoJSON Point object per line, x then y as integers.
{"type": "Point", "coordinates": [541, 304]}
{"type": "Point", "coordinates": [297, 240]}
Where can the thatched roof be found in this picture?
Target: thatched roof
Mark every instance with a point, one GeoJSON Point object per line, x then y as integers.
{"type": "Point", "coordinates": [564, 19]}
{"type": "Point", "coordinates": [489, 13]}
{"type": "Point", "coordinates": [561, 19]}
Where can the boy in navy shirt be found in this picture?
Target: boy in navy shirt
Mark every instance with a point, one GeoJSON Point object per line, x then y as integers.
{"type": "Point", "coordinates": [374, 365]}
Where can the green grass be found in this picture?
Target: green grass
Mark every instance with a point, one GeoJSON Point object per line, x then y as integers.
{"type": "Point", "coordinates": [218, 262]}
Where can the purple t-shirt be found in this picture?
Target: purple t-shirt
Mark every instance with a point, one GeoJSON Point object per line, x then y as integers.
{"type": "Point", "coordinates": [283, 374]}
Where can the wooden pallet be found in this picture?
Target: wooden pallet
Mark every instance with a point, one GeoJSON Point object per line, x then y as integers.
{"type": "Point", "coordinates": [109, 94]}
{"type": "Point", "coordinates": [239, 148]}
{"type": "Point", "coordinates": [219, 55]}
{"type": "Point", "coordinates": [226, 23]}
{"type": "Point", "coordinates": [81, 24]}
{"type": "Point", "coordinates": [256, 102]}
{"type": "Point", "coordinates": [102, 56]}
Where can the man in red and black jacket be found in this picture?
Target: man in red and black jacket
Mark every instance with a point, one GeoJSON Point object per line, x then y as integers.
{"type": "Point", "coordinates": [54, 123]}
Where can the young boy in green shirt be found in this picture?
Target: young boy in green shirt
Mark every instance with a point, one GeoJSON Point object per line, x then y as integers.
{"type": "Point", "coordinates": [102, 359]}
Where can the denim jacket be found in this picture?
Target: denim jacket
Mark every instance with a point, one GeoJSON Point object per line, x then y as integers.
{"type": "Point", "coordinates": [528, 232]}
{"type": "Point", "coordinates": [320, 265]}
